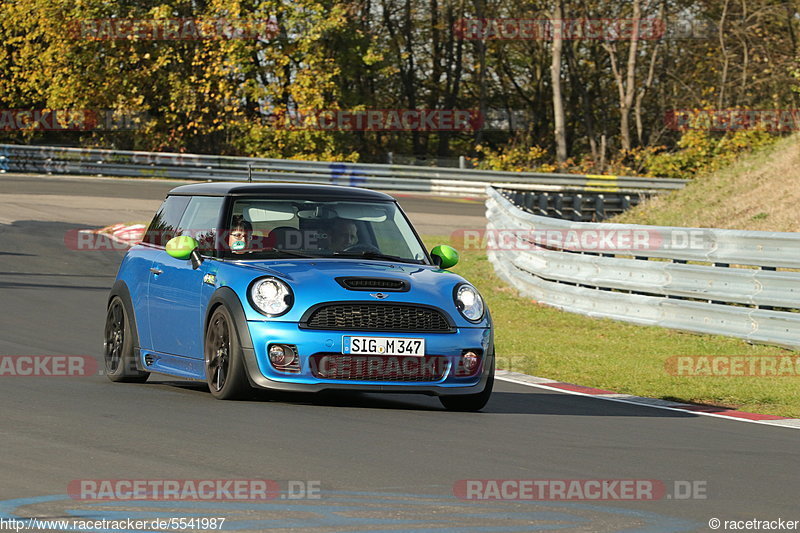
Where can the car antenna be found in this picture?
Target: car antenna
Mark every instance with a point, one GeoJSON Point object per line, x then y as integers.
{"type": "Point", "coordinates": [249, 173]}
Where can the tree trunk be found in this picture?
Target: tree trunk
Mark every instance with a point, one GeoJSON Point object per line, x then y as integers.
{"type": "Point", "coordinates": [555, 75]}
{"type": "Point", "coordinates": [724, 75]}
{"type": "Point", "coordinates": [626, 87]}
{"type": "Point", "coordinates": [630, 82]}
{"type": "Point", "coordinates": [480, 45]}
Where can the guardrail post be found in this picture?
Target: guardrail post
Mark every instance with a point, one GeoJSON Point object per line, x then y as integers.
{"type": "Point", "coordinates": [530, 197]}
{"type": "Point", "coordinates": [577, 203]}
{"type": "Point", "coordinates": [599, 207]}
{"type": "Point", "coordinates": [559, 203]}
{"type": "Point", "coordinates": [544, 199]}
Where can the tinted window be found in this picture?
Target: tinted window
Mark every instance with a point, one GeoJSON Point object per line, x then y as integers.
{"type": "Point", "coordinates": [200, 220]}
{"type": "Point", "coordinates": [166, 223]}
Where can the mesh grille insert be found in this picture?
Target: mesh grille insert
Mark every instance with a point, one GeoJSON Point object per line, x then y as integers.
{"type": "Point", "coordinates": [378, 317]}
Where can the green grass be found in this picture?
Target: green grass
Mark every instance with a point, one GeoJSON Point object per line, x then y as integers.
{"type": "Point", "coordinates": [534, 339]}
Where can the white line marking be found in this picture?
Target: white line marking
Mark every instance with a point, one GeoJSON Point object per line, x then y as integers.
{"type": "Point", "coordinates": [793, 423]}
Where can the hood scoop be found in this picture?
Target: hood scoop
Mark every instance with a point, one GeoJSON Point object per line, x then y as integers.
{"type": "Point", "coordinates": [373, 284]}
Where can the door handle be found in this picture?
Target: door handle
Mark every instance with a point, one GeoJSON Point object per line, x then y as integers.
{"type": "Point", "coordinates": [156, 271]}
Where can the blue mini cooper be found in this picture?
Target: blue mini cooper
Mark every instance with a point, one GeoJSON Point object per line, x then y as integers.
{"type": "Point", "coordinates": [296, 287]}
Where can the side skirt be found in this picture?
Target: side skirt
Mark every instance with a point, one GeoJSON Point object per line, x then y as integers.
{"type": "Point", "coordinates": [174, 365]}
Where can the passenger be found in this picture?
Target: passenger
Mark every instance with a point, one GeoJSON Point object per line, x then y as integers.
{"type": "Point", "coordinates": [240, 234]}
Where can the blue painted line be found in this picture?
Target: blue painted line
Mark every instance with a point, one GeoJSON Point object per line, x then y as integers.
{"type": "Point", "coordinates": [335, 506]}
{"type": "Point", "coordinates": [337, 172]}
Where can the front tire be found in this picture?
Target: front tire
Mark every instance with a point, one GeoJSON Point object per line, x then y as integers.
{"type": "Point", "coordinates": [470, 402]}
{"type": "Point", "coordinates": [224, 360]}
{"type": "Point", "coordinates": [120, 361]}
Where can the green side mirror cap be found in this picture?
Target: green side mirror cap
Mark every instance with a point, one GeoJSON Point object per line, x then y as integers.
{"type": "Point", "coordinates": [181, 247]}
{"type": "Point", "coordinates": [445, 256]}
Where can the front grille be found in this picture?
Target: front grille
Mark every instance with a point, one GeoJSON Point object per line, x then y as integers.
{"type": "Point", "coordinates": [378, 317]}
{"type": "Point", "coordinates": [376, 284]}
{"type": "Point", "coordinates": [378, 367]}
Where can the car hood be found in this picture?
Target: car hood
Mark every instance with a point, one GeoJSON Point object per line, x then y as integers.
{"type": "Point", "coordinates": [310, 271]}
{"type": "Point", "coordinates": [313, 281]}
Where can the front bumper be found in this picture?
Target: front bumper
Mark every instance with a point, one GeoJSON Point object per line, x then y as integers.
{"type": "Point", "coordinates": [449, 346]}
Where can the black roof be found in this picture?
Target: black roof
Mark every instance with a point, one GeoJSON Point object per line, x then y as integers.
{"type": "Point", "coordinates": [301, 190]}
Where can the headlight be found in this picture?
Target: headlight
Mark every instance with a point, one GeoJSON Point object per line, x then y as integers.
{"type": "Point", "coordinates": [271, 296]}
{"type": "Point", "coordinates": [469, 302]}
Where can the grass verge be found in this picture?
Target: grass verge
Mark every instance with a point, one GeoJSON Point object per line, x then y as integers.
{"type": "Point", "coordinates": [757, 192]}
{"type": "Point", "coordinates": [535, 339]}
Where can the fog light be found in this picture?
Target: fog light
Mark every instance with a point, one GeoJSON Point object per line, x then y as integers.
{"type": "Point", "coordinates": [470, 360]}
{"type": "Point", "coordinates": [281, 355]}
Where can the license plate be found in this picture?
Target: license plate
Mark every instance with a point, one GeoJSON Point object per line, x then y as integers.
{"type": "Point", "coordinates": [383, 346]}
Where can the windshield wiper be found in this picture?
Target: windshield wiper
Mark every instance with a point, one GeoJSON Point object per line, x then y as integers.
{"type": "Point", "coordinates": [377, 255]}
{"type": "Point", "coordinates": [294, 254]}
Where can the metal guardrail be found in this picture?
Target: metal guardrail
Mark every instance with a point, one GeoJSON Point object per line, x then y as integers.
{"type": "Point", "coordinates": [685, 283]}
{"type": "Point", "coordinates": [584, 205]}
{"type": "Point", "coordinates": [432, 180]}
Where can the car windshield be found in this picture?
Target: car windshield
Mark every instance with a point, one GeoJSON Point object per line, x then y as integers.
{"type": "Point", "coordinates": [272, 228]}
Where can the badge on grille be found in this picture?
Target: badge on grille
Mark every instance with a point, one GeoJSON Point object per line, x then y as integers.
{"type": "Point", "coordinates": [378, 295]}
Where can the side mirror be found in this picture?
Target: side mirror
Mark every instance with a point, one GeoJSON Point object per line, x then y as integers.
{"type": "Point", "coordinates": [185, 247]}
{"type": "Point", "coordinates": [444, 256]}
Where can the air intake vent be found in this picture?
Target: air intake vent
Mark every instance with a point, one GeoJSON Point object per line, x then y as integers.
{"type": "Point", "coordinates": [368, 316]}
{"type": "Point", "coordinates": [149, 360]}
{"type": "Point", "coordinates": [373, 284]}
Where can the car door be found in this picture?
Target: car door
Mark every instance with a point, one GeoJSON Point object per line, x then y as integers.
{"type": "Point", "coordinates": [174, 293]}
{"type": "Point", "coordinates": [163, 227]}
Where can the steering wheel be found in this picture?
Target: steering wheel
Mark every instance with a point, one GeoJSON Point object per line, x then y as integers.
{"type": "Point", "coordinates": [362, 248]}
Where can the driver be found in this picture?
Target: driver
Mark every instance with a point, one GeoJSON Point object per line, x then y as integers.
{"type": "Point", "coordinates": [344, 234]}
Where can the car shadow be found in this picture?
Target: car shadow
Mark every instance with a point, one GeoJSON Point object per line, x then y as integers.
{"type": "Point", "coordinates": [529, 403]}
{"type": "Point", "coordinates": [546, 403]}
{"type": "Point", "coordinates": [56, 274]}
{"type": "Point", "coordinates": [17, 285]}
